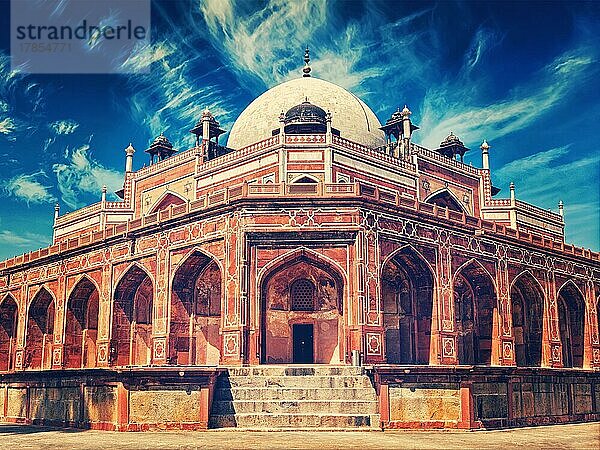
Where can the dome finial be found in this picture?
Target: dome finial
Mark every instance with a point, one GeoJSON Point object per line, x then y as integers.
{"type": "Point", "coordinates": [306, 70]}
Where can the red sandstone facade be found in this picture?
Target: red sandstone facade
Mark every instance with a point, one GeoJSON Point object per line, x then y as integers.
{"type": "Point", "coordinates": [302, 248]}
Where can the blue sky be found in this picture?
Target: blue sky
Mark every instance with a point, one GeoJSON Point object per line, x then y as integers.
{"type": "Point", "coordinates": [523, 75]}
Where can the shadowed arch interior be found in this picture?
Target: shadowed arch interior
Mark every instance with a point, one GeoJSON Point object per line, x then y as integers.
{"type": "Point", "coordinates": [81, 327]}
{"type": "Point", "coordinates": [307, 281]}
{"type": "Point", "coordinates": [40, 330]}
{"type": "Point", "coordinates": [407, 301]}
{"type": "Point", "coordinates": [571, 314]}
{"type": "Point", "coordinates": [131, 342]}
{"type": "Point", "coordinates": [194, 333]}
{"type": "Point", "coordinates": [474, 307]}
{"type": "Point", "coordinates": [527, 306]}
{"type": "Point", "coordinates": [8, 332]}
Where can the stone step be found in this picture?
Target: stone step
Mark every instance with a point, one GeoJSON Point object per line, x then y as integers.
{"type": "Point", "coordinates": [307, 382]}
{"type": "Point", "coordinates": [277, 393]}
{"type": "Point", "coordinates": [294, 421]}
{"type": "Point", "coordinates": [294, 407]}
{"type": "Point", "coordinates": [311, 370]}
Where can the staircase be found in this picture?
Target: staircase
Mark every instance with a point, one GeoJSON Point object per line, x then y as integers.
{"type": "Point", "coordinates": [300, 397]}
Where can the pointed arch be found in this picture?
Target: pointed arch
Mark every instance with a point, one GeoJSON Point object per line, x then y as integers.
{"type": "Point", "coordinates": [527, 308]}
{"type": "Point", "coordinates": [571, 322]}
{"type": "Point", "coordinates": [9, 317]}
{"type": "Point", "coordinates": [475, 262]}
{"type": "Point", "coordinates": [166, 199]}
{"type": "Point", "coordinates": [132, 317]}
{"type": "Point", "coordinates": [40, 330]}
{"type": "Point", "coordinates": [305, 178]}
{"type": "Point", "coordinates": [445, 198]}
{"type": "Point", "coordinates": [195, 310]}
{"type": "Point", "coordinates": [298, 253]}
{"type": "Point", "coordinates": [282, 326]}
{"type": "Point", "coordinates": [475, 306]}
{"type": "Point", "coordinates": [407, 287]}
{"type": "Point", "coordinates": [81, 324]}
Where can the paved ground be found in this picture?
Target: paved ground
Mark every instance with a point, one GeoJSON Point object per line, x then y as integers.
{"type": "Point", "coordinates": [577, 436]}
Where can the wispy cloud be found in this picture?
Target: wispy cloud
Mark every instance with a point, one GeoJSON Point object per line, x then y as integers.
{"type": "Point", "coordinates": [7, 126]}
{"type": "Point", "coordinates": [453, 107]}
{"type": "Point", "coordinates": [168, 98]}
{"type": "Point", "coordinates": [67, 126]}
{"type": "Point", "coordinates": [83, 175]}
{"type": "Point", "coordinates": [556, 174]}
{"type": "Point", "coordinates": [30, 188]}
{"type": "Point", "coordinates": [25, 240]}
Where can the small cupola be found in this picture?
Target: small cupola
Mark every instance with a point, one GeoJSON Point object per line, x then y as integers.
{"type": "Point", "coordinates": [305, 118]}
{"type": "Point", "coordinates": [452, 146]}
{"type": "Point", "coordinates": [207, 128]}
{"type": "Point", "coordinates": [161, 148]}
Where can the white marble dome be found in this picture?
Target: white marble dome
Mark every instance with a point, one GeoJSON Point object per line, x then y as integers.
{"type": "Point", "coordinates": [350, 115]}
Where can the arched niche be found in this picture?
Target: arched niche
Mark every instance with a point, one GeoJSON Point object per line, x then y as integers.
{"type": "Point", "coordinates": [9, 316]}
{"type": "Point", "coordinates": [407, 302]}
{"type": "Point", "coordinates": [445, 199]}
{"type": "Point", "coordinates": [475, 305]}
{"type": "Point", "coordinates": [40, 331]}
{"type": "Point", "coordinates": [168, 199]}
{"type": "Point", "coordinates": [196, 296]}
{"type": "Point", "coordinates": [301, 310]}
{"type": "Point", "coordinates": [527, 306]}
{"type": "Point", "coordinates": [81, 326]}
{"type": "Point", "coordinates": [571, 318]}
{"type": "Point", "coordinates": [131, 342]}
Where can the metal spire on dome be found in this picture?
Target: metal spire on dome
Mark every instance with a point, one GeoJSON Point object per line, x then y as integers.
{"type": "Point", "coordinates": [306, 70]}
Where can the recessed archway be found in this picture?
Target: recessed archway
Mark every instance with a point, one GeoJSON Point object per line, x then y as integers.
{"type": "Point", "coordinates": [474, 307]}
{"type": "Point", "coordinates": [527, 305]}
{"type": "Point", "coordinates": [81, 327]}
{"type": "Point", "coordinates": [8, 332]}
{"type": "Point", "coordinates": [196, 296]}
{"type": "Point", "coordinates": [407, 302]}
{"type": "Point", "coordinates": [301, 310]}
{"type": "Point", "coordinates": [40, 331]}
{"type": "Point", "coordinates": [131, 342]}
{"type": "Point", "coordinates": [571, 317]}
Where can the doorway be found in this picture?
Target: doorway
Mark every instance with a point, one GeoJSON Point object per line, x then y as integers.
{"type": "Point", "coordinates": [302, 334]}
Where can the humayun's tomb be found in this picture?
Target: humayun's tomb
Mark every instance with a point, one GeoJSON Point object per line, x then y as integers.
{"type": "Point", "coordinates": [319, 270]}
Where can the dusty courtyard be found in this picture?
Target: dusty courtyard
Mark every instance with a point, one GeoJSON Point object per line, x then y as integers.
{"type": "Point", "coordinates": [574, 436]}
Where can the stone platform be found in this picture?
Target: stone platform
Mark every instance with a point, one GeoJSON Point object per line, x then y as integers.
{"type": "Point", "coordinates": [300, 397]}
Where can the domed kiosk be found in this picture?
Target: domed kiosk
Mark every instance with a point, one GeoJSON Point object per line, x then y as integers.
{"type": "Point", "coordinates": [355, 120]}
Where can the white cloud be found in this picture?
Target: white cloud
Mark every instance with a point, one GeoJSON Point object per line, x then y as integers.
{"type": "Point", "coordinates": [169, 99]}
{"type": "Point", "coordinates": [23, 240]}
{"type": "Point", "coordinates": [556, 174]}
{"type": "Point", "coordinates": [81, 174]}
{"type": "Point", "coordinates": [29, 188]}
{"type": "Point", "coordinates": [452, 106]}
{"type": "Point", "coordinates": [7, 126]}
{"type": "Point", "coordinates": [64, 126]}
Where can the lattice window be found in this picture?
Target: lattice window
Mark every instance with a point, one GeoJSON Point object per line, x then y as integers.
{"type": "Point", "coordinates": [302, 294]}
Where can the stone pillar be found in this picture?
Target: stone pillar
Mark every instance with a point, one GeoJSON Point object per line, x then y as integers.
{"type": "Point", "coordinates": [232, 327]}
{"type": "Point", "coordinates": [485, 155]}
{"type": "Point", "coordinates": [60, 312]}
{"type": "Point", "coordinates": [129, 151]}
{"type": "Point", "coordinates": [503, 341]}
{"type": "Point", "coordinates": [445, 306]}
{"type": "Point", "coordinates": [368, 294]}
{"type": "Point", "coordinates": [591, 342]}
{"type": "Point", "coordinates": [103, 347]}
{"type": "Point", "coordinates": [551, 344]}
{"type": "Point", "coordinates": [513, 205]}
{"type": "Point", "coordinates": [160, 319]}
